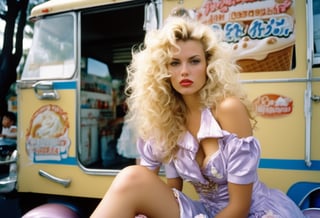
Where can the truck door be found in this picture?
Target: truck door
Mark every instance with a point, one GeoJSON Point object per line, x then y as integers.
{"type": "Point", "coordinates": [70, 92]}
{"type": "Point", "coordinates": [47, 102]}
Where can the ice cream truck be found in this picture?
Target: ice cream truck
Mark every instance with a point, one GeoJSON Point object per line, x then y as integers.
{"type": "Point", "coordinates": [71, 102]}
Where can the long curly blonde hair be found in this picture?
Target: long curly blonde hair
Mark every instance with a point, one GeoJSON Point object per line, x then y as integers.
{"type": "Point", "coordinates": [155, 108]}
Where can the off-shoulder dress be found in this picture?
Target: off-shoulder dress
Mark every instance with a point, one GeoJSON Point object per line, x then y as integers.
{"type": "Point", "coordinates": [236, 161]}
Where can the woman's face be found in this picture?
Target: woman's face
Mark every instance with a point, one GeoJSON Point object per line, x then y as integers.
{"type": "Point", "coordinates": [188, 67]}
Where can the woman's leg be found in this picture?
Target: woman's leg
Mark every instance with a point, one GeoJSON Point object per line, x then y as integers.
{"type": "Point", "coordinates": [137, 190]}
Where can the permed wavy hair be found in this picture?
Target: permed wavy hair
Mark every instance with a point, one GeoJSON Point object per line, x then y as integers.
{"type": "Point", "coordinates": [155, 108]}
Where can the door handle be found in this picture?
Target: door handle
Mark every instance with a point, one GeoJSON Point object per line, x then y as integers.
{"type": "Point", "coordinates": [44, 90]}
{"type": "Point", "coordinates": [315, 98]}
{"type": "Point", "coordinates": [64, 182]}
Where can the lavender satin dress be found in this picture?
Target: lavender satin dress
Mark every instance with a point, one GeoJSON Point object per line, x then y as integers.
{"type": "Point", "coordinates": [236, 161]}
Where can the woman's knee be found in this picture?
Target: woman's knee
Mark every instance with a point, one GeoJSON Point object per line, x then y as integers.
{"type": "Point", "coordinates": [133, 177]}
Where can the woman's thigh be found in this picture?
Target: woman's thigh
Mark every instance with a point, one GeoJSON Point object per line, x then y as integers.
{"type": "Point", "coordinates": [137, 190]}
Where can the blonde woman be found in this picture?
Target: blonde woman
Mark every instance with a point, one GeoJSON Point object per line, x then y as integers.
{"type": "Point", "coordinates": [192, 116]}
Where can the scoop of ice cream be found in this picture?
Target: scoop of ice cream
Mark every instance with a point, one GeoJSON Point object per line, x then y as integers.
{"type": "Point", "coordinates": [258, 49]}
{"type": "Point", "coordinates": [47, 124]}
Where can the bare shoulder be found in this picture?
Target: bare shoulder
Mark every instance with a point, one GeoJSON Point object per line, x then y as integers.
{"type": "Point", "coordinates": [233, 116]}
{"type": "Point", "coordinates": [231, 105]}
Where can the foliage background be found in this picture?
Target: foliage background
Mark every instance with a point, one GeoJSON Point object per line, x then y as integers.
{"type": "Point", "coordinates": [15, 37]}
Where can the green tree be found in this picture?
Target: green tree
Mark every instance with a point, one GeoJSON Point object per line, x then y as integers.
{"type": "Point", "coordinates": [12, 48]}
{"type": "Point", "coordinates": [14, 13]}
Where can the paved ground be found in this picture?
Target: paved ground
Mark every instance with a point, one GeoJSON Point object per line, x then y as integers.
{"type": "Point", "coordinates": [9, 208]}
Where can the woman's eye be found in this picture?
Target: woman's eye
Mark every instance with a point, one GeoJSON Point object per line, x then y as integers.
{"type": "Point", "coordinates": [174, 63]}
{"type": "Point", "coordinates": [195, 61]}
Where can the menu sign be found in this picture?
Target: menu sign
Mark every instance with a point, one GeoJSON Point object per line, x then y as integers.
{"type": "Point", "coordinates": [261, 32]}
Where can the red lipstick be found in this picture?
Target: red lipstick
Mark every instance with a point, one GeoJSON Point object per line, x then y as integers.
{"type": "Point", "coordinates": [186, 82]}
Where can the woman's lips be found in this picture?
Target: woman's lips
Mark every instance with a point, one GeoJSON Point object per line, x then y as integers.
{"type": "Point", "coordinates": [186, 82]}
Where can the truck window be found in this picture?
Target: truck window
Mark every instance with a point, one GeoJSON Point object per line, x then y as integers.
{"type": "Point", "coordinates": [52, 55]}
{"type": "Point", "coordinates": [98, 68]}
{"type": "Point", "coordinates": [316, 31]}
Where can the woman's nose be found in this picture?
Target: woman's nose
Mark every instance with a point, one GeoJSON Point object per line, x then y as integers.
{"type": "Point", "coordinates": [184, 70]}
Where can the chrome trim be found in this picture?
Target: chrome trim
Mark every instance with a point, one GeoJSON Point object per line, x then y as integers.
{"type": "Point", "coordinates": [64, 182]}
{"type": "Point", "coordinates": [44, 90]}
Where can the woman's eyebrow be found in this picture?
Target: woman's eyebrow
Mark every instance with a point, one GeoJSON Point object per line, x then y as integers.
{"type": "Point", "coordinates": [195, 56]}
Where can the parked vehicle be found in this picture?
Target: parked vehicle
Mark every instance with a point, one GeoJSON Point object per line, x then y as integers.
{"type": "Point", "coordinates": [71, 102]}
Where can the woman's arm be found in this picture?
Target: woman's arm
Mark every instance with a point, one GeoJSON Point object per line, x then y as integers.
{"type": "Point", "coordinates": [176, 183]}
{"type": "Point", "coordinates": [239, 201]}
{"type": "Point", "coordinates": [233, 117]}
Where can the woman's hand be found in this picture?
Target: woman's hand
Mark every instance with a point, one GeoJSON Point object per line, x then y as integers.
{"type": "Point", "coordinates": [239, 201]}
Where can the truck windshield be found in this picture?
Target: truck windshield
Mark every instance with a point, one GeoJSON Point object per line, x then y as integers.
{"type": "Point", "coordinates": [52, 55]}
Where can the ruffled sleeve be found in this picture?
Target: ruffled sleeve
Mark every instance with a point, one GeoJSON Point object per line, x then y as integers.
{"type": "Point", "coordinates": [147, 156]}
{"type": "Point", "coordinates": [171, 171]}
{"type": "Point", "coordinates": [243, 155]}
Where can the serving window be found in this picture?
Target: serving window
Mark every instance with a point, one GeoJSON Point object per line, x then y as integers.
{"type": "Point", "coordinates": [316, 31]}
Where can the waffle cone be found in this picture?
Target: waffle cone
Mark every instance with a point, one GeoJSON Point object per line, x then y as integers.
{"type": "Point", "coordinates": [276, 61]}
